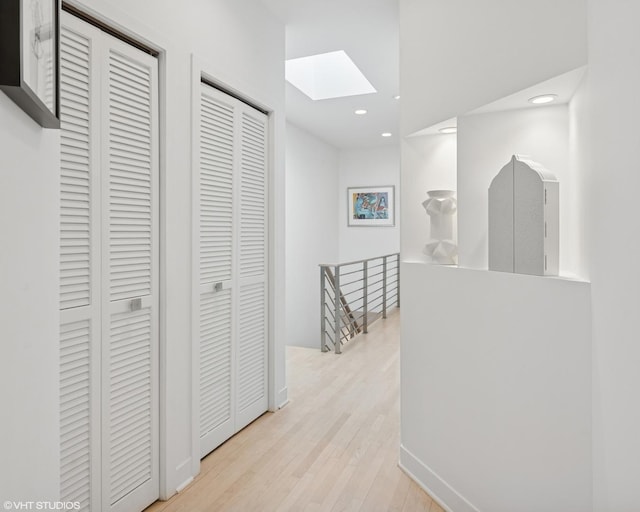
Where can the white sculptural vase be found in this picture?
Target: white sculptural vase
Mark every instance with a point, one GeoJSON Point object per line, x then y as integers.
{"type": "Point", "coordinates": [441, 206]}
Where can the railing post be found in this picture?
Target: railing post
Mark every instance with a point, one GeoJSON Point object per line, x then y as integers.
{"type": "Point", "coordinates": [384, 287]}
{"type": "Point", "coordinates": [323, 313]}
{"type": "Point", "coordinates": [365, 289]}
{"type": "Point", "coordinates": [338, 338]}
{"type": "Point", "coordinates": [398, 279]}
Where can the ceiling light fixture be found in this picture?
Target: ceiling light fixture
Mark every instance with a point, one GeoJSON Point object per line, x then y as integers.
{"type": "Point", "coordinates": [542, 99]}
{"type": "Point", "coordinates": [360, 112]}
{"type": "Point", "coordinates": [386, 134]}
{"type": "Point", "coordinates": [327, 75]}
{"type": "Point", "coordinates": [448, 129]}
{"type": "Point", "coordinates": [396, 97]}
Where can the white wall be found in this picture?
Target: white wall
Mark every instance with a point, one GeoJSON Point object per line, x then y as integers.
{"type": "Point", "coordinates": [577, 228]}
{"type": "Point", "coordinates": [311, 230]}
{"type": "Point", "coordinates": [242, 45]}
{"type": "Point", "coordinates": [496, 389]}
{"type": "Point", "coordinates": [29, 324]}
{"type": "Point", "coordinates": [485, 144]}
{"type": "Point", "coordinates": [462, 54]}
{"type": "Point", "coordinates": [428, 163]}
{"type": "Point", "coordinates": [376, 166]}
{"type": "Point", "coordinates": [614, 225]}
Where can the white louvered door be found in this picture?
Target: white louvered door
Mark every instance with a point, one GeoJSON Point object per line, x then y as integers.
{"type": "Point", "coordinates": [79, 265]}
{"type": "Point", "coordinates": [130, 265]}
{"type": "Point", "coordinates": [232, 262]}
{"type": "Point", "coordinates": [217, 169]}
{"type": "Point", "coordinates": [251, 359]}
{"type": "Point", "coordinates": [109, 272]}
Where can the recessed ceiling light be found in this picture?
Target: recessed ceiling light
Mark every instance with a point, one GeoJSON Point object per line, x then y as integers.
{"type": "Point", "coordinates": [327, 75]}
{"type": "Point", "coordinates": [448, 129]}
{"type": "Point", "coordinates": [360, 112]}
{"type": "Point", "coordinates": [542, 99]}
{"type": "Point", "coordinates": [396, 97]}
{"type": "Point", "coordinates": [386, 134]}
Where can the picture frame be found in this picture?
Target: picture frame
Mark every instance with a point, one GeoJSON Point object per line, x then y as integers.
{"type": "Point", "coordinates": [30, 57]}
{"type": "Point", "coordinates": [371, 206]}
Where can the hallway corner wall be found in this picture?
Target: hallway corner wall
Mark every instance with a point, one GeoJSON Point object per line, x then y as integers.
{"type": "Point", "coordinates": [312, 238]}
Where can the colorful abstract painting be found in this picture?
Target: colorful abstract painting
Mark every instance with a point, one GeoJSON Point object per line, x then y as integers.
{"type": "Point", "coordinates": [371, 206]}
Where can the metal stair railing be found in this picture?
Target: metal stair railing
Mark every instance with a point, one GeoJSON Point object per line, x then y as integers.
{"type": "Point", "coordinates": [349, 320]}
{"type": "Point", "coordinates": [355, 294]}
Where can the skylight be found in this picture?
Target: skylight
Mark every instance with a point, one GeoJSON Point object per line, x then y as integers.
{"type": "Point", "coordinates": [327, 75]}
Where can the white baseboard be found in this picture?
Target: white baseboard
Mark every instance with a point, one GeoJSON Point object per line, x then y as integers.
{"type": "Point", "coordinates": [446, 496]}
{"type": "Point", "coordinates": [283, 397]}
{"type": "Point", "coordinates": [184, 485]}
{"type": "Point", "coordinates": [183, 474]}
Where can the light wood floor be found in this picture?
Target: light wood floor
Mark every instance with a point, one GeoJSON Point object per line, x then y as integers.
{"type": "Point", "coordinates": [333, 448]}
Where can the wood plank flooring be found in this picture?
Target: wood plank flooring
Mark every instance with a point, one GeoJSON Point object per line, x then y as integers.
{"type": "Point", "coordinates": [333, 448]}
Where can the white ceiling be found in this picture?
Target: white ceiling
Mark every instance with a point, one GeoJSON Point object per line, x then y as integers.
{"type": "Point", "coordinates": [563, 86]}
{"type": "Point", "coordinates": [368, 31]}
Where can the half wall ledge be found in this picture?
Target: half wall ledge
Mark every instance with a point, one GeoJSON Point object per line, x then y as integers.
{"type": "Point", "coordinates": [496, 388]}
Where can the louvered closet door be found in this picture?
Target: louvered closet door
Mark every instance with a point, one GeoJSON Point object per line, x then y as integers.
{"type": "Point", "coordinates": [79, 265]}
{"type": "Point", "coordinates": [252, 357]}
{"type": "Point", "coordinates": [130, 278]}
{"type": "Point", "coordinates": [232, 262]}
{"type": "Point", "coordinates": [217, 169]}
{"type": "Point", "coordinates": [108, 275]}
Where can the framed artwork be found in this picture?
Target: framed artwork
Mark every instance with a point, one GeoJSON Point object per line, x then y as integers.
{"type": "Point", "coordinates": [29, 57]}
{"type": "Point", "coordinates": [371, 206]}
